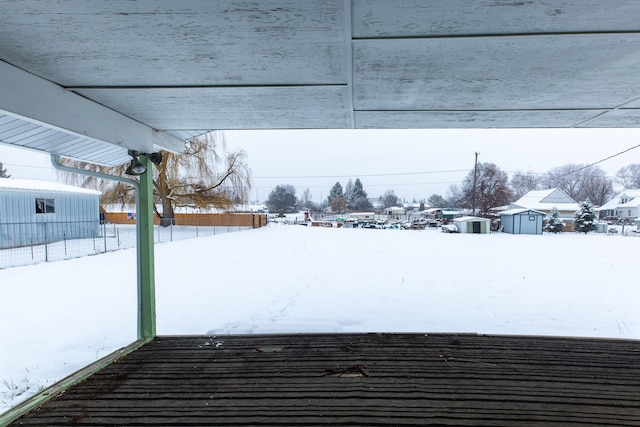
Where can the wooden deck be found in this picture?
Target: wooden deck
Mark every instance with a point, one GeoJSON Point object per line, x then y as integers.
{"type": "Point", "coordinates": [359, 379]}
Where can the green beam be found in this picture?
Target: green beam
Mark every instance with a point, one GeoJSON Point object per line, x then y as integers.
{"type": "Point", "coordinates": [146, 270]}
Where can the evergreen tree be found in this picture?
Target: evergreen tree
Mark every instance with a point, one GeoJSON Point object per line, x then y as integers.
{"type": "Point", "coordinates": [348, 192]}
{"type": "Point", "coordinates": [336, 191]}
{"type": "Point", "coordinates": [336, 199]}
{"type": "Point", "coordinates": [555, 224]}
{"type": "Point", "coordinates": [282, 199]}
{"type": "Point", "coordinates": [586, 219]}
{"type": "Point", "coordinates": [360, 200]}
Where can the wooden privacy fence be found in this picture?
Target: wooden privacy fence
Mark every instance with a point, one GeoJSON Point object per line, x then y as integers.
{"type": "Point", "coordinates": [203, 220]}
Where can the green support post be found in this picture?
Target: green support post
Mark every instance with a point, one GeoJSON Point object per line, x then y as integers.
{"type": "Point", "coordinates": [146, 270]}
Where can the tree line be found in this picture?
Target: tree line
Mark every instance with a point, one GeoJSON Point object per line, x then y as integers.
{"type": "Point", "coordinates": [493, 188]}
{"type": "Point", "coordinates": [484, 187]}
{"type": "Point", "coordinates": [352, 197]}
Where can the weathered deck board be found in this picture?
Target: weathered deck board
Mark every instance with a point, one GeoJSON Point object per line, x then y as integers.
{"type": "Point", "coordinates": [359, 379]}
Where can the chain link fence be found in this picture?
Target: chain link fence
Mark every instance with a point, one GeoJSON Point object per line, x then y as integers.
{"type": "Point", "coordinates": [31, 243]}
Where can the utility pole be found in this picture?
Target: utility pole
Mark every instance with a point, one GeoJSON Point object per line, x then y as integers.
{"type": "Point", "coordinates": [475, 177]}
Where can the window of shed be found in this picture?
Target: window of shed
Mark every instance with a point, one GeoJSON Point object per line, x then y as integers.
{"type": "Point", "coordinates": [45, 206]}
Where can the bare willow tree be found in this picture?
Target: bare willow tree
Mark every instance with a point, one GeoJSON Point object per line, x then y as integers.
{"type": "Point", "coordinates": [205, 176]}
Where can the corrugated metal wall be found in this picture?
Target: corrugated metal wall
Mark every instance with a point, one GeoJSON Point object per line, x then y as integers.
{"type": "Point", "coordinates": [76, 216]}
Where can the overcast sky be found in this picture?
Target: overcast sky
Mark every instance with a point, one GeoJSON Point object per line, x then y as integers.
{"type": "Point", "coordinates": [418, 163]}
{"type": "Point", "coordinates": [413, 163]}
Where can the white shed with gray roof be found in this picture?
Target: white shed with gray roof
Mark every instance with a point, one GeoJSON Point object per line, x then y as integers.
{"type": "Point", "coordinates": [37, 212]}
{"type": "Point", "coordinates": [472, 224]}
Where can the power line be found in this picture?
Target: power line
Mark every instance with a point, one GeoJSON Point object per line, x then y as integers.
{"type": "Point", "coordinates": [602, 160]}
{"type": "Point", "coordinates": [361, 175]}
{"type": "Point", "coordinates": [529, 173]}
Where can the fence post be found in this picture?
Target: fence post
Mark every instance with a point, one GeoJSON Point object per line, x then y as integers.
{"type": "Point", "coordinates": [46, 246]}
{"type": "Point", "coordinates": [104, 236]}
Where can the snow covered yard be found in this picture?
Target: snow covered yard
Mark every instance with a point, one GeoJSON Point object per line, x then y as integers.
{"type": "Point", "coordinates": [57, 317]}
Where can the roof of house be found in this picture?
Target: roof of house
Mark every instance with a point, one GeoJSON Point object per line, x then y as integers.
{"type": "Point", "coordinates": [517, 211]}
{"type": "Point", "coordinates": [633, 203]}
{"type": "Point", "coordinates": [545, 200]}
{"type": "Point", "coordinates": [631, 192]}
{"type": "Point", "coordinates": [33, 185]}
{"type": "Point", "coordinates": [614, 203]}
{"type": "Point", "coordinates": [470, 218]}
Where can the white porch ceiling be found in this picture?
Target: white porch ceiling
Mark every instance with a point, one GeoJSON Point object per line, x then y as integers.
{"type": "Point", "coordinates": [160, 71]}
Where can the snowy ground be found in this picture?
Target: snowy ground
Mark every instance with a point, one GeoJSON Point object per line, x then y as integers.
{"type": "Point", "coordinates": [57, 317]}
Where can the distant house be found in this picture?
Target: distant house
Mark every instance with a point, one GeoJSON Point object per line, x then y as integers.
{"type": "Point", "coordinates": [38, 212]}
{"type": "Point", "coordinates": [376, 204]}
{"type": "Point", "coordinates": [394, 211]}
{"type": "Point", "coordinates": [624, 205]}
{"type": "Point", "coordinates": [411, 207]}
{"type": "Point", "coordinates": [546, 200]}
{"type": "Point", "coordinates": [522, 221]}
{"type": "Point", "coordinates": [472, 224]}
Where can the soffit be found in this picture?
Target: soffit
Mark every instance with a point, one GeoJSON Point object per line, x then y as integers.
{"type": "Point", "coordinates": [185, 68]}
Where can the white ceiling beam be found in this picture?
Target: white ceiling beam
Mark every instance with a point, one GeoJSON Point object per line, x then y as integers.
{"type": "Point", "coordinates": [40, 101]}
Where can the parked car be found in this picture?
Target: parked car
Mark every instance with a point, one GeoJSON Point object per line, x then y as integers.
{"type": "Point", "coordinates": [449, 228]}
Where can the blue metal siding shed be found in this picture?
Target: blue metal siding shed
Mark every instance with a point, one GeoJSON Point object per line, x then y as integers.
{"type": "Point", "coordinates": [522, 221]}
{"type": "Point", "coordinates": [75, 212]}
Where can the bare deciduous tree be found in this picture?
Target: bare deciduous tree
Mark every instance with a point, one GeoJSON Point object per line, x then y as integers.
{"type": "Point", "coordinates": [305, 200]}
{"type": "Point", "coordinates": [523, 182]}
{"type": "Point", "coordinates": [629, 176]}
{"type": "Point", "coordinates": [454, 196]}
{"type": "Point", "coordinates": [581, 182]}
{"type": "Point", "coordinates": [437, 201]}
{"type": "Point", "coordinates": [338, 205]}
{"type": "Point", "coordinates": [491, 189]}
{"type": "Point", "coordinates": [389, 199]}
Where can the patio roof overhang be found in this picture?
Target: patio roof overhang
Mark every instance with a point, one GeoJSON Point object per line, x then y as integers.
{"type": "Point", "coordinates": [91, 80]}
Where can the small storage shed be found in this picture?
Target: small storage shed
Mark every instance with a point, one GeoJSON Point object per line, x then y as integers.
{"type": "Point", "coordinates": [38, 212]}
{"type": "Point", "coordinates": [472, 224]}
{"type": "Point", "coordinates": [522, 221]}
